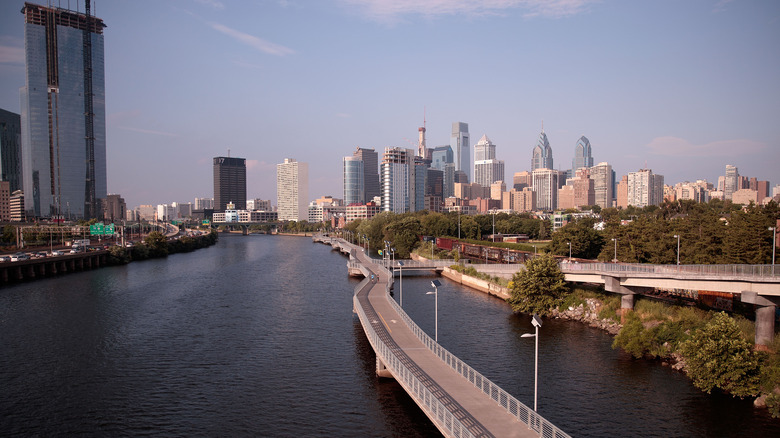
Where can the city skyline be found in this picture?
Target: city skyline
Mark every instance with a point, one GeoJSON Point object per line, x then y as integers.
{"type": "Point", "coordinates": [683, 89]}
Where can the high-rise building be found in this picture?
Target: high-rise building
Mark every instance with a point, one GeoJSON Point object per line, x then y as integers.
{"type": "Point", "coordinates": [11, 149]}
{"type": "Point", "coordinates": [542, 154]}
{"type": "Point", "coordinates": [354, 185]}
{"type": "Point", "coordinates": [370, 159]}
{"type": "Point", "coordinates": [419, 176]}
{"type": "Point", "coordinates": [731, 181]}
{"type": "Point", "coordinates": [603, 182]}
{"type": "Point", "coordinates": [545, 184]}
{"type": "Point", "coordinates": [487, 169]}
{"type": "Point", "coordinates": [621, 193]}
{"type": "Point", "coordinates": [229, 183]}
{"type": "Point", "coordinates": [645, 188]}
{"type": "Point", "coordinates": [63, 113]}
{"type": "Point", "coordinates": [441, 156]}
{"type": "Point", "coordinates": [459, 141]}
{"type": "Point", "coordinates": [114, 208]}
{"type": "Point", "coordinates": [5, 201]}
{"type": "Point", "coordinates": [398, 179]}
{"type": "Point", "coordinates": [292, 190]}
{"type": "Point", "coordinates": [484, 149]}
{"type": "Point", "coordinates": [582, 156]}
{"type": "Point", "coordinates": [521, 180]}
{"type": "Point", "coordinates": [204, 204]}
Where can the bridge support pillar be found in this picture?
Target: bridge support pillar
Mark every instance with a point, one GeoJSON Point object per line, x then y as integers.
{"type": "Point", "coordinates": [626, 306]}
{"type": "Point", "coordinates": [381, 369]}
{"type": "Point", "coordinates": [765, 319]}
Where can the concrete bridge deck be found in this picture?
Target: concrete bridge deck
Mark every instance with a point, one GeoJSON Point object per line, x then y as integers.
{"type": "Point", "coordinates": [458, 400]}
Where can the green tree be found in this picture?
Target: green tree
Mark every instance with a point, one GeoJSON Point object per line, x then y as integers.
{"type": "Point", "coordinates": [404, 235]}
{"type": "Point", "coordinates": [586, 242]}
{"type": "Point", "coordinates": [157, 244]}
{"type": "Point", "coordinates": [719, 357]}
{"type": "Point", "coordinates": [469, 227]}
{"type": "Point", "coordinates": [633, 338]}
{"type": "Point", "coordinates": [539, 287]}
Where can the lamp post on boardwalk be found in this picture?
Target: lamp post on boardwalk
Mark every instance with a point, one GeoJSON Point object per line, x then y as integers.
{"type": "Point", "coordinates": [401, 274]}
{"type": "Point", "coordinates": [435, 293]}
{"type": "Point", "coordinates": [494, 225]}
{"type": "Point", "coordinates": [615, 259]}
{"type": "Point", "coordinates": [678, 248]}
{"type": "Point", "coordinates": [537, 322]}
{"type": "Point", "coordinates": [774, 245]}
{"type": "Point", "coordinates": [569, 243]}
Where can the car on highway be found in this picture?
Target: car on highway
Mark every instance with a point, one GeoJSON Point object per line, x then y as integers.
{"type": "Point", "coordinates": [5, 258]}
{"type": "Point", "coordinates": [56, 252]}
{"type": "Point", "coordinates": [19, 256]}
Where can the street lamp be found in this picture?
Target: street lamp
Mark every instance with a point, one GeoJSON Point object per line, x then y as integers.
{"type": "Point", "coordinates": [774, 244]}
{"type": "Point", "coordinates": [494, 225]}
{"type": "Point", "coordinates": [569, 243]}
{"type": "Point", "coordinates": [436, 284]}
{"type": "Point", "coordinates": [401, 273]}
{"type": "Point", "coordinates": [615, 240]}
{"type": "Point", "coordinates": [537, 322]}
{"type": "Point", "coordinates": [678, 248]}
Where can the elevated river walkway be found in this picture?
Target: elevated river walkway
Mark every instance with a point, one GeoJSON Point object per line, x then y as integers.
{"type": "Point", "coordinates": [460, 401]}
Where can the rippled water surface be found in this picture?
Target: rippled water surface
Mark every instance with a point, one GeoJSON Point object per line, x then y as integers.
{"type": "Point", "coordinates": [256, 337]}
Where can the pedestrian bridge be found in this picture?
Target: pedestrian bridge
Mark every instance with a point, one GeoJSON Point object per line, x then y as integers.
{"type": "Point", "coordinates": [460, 401]}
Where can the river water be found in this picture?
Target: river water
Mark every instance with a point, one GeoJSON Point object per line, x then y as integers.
{"type": "Point", "coordinates": [255, 336]}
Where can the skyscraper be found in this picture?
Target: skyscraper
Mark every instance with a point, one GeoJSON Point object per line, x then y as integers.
{"type": "Point", "coordinates": [229, 183]}
{"type": "Point", "coordinates": [645, 188]}
{"type": "Point", "coordinates": [542, 154]}
{"type": "Point", "coordinates": [292, 190]}
{"type": "Point", "coordinates": [545, 184]}
{"type": "Point", "coordinates": [603, 183]}
{"type": "Point", "coordinates": [63, 113]}
{"type": "Point", "coordinates": [731, 181]}
{"type": "Point", "coordinates": [487, 169]}
{"type": "Point", "coordinates": [459, 141]}
{"type": "Point", "coordinates": [354, 186]}
{"type": "Point", "coordinates": [582, 156]}
{"type": "Point", "coordinates": [11, 149]}
{"type": "Point", "coordinates": [398, 177]}
{"type": "Point", "coordinates": [370, 159]}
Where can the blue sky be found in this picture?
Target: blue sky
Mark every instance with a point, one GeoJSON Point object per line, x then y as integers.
{"type": "Point", "coordinates": [684, 87]}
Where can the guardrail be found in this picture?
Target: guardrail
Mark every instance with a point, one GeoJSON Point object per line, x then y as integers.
{"type": "Point", "coordinates": [425, 398]}
{"type": "Point", "coordinates": [416, 264]}
{"type": "Point", "coordinates": [735, 271]}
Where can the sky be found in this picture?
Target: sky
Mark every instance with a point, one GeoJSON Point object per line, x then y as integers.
{"type": "Point", "coordinates": [680, 87]}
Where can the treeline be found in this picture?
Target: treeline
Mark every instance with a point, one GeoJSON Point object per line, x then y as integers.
{"type": "Point", "coordinates": [710, 233]}
{"type": "Point", "coordinates": [155, 245]}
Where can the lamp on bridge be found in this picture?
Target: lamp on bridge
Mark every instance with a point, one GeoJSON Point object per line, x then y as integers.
{"type": "Point", "coordinates": [401, 273]}
{"type": "Point", "coordinates": [678, 248]}
{"type": "Point", "coordinates": [537, 322]}
{"type": "Point", "coordinates": [774, 245]}
{"type": "Point", "coordinates": [569, 243]}
{"type": "Point", "coordinates": [435, 293]}
{"type": "Point", "coordinates": [615, 259]}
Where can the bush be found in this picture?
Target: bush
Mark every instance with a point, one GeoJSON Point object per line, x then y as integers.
{"type": "Point", "coordinates": [719, 357]}
{"type": "Point", "coordinates": [538, 288]}
{"type": "Point", "coordinates": [633, 337]}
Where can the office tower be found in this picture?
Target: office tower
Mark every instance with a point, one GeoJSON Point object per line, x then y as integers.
{"type": "Point", "coordinates": [582, 155]}
{"type": "Point", "coordinates": [621, 193]}
{"type": "Point", "coordinates": [484, 149]}
{"type": "Point", "coordinates": [603, 182]}
{"type": "Point", "coordinates": [731, 181]}
{"type": "Point", "coordinates": [441, 156]}
{"type": "Point", "coordinates": [397, 179]}
{"type": "Point", "coordinates": [434, 183]}
{"type": "Point", "coordinates": [354, 185]}
{"type": "Point", "coordinates": [370, 159]}
{"type": "Point", "coordinates": [63, 113]}
{"type": "Point", "coordinates": [521, 180]}
{"type": "Point", "coordinates": [523, 200]}
{"type": "Point", "coordinates": [229, 183]}
{"type": "Point", "coordinates": [5, 201]}
{"type": "Point", "coordinates": [204, 204]}
{"type": "Point", "coordinates": [545, 184]}
{"type": "Point", "coordinates": [417, 189]}
{"type": "Point", "coordinates": [497, 190]}
{"type": "Point", "coordinates": [542, 154]}
{"type": "Point", "coordinates": [645, 188]}
{"type": "Point", "coordinates": [114, 208]}
{"type": "Point", "coordinates": [487, 169]}
{"type": "Point", "coordinates": [292, 190]}
{"type": "Point", "coordinates": [459, 141]}
{"type": "Point", "coordinates": [11, 149]}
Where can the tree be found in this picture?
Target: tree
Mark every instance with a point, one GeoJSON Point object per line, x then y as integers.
{"type": "Point", "coordinates": [539, 287]}
{"type": "Point", "coordinates": [403, 234]}
{"type": "Point", "coordinates": [157, 244]}
{"type": "Point", "coordinates": [586, 242]}
{"type": "Point", "coordinates": [719, 357]}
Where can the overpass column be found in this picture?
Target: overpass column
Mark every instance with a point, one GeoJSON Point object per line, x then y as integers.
{"type": "Point", "coordinates": [626, 305]}
{"type": "Point", "coordinates": [765, 319]}
{"type": "Point", "coordinates": [381, 369]}
{"type": "Point", "coordinates": [612, 284]}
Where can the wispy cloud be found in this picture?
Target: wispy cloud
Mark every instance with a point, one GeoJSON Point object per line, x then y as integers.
{"type": "Point", "coordinates": [253, 41]}
{"type": "Point", "coordinates": [216, 4]}
{"type": "Point", "coordinates": [678, 147]}
{"type": "Point", "coordinates": [11, 50]}
{"type": "Point", "coordinates": [149, 131]}
{"type": "Point", "coordinates": [393, 10]}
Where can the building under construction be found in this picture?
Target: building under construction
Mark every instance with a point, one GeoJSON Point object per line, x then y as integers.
{"type": "Point", "coordinates": [63, 113]}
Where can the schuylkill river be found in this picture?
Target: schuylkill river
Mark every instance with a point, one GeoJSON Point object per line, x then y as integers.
{"type": "Point", "coordinates": [255, 336]}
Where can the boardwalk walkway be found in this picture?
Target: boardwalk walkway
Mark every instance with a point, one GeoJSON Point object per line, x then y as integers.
{"type": "Point", "coordinates": [458, 400]}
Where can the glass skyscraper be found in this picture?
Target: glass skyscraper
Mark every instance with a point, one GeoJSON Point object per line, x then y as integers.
{"type": "Point", "coordinates": [582, 155]}
{"type": "Point", "coordinates": [542, 155]}
{"type": "Point", "coordinates": [63, 113]}
{"type": "Point", "coordinates": [370, 159]}
{"type": "Point", "coordinates": [354, 186]}
{"type": "Point", "coordinates": [459, 141]}
{"type": "Point", "coordinates": [11, 149]}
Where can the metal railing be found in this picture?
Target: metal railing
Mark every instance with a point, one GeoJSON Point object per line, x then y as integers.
{"type": "Point", "coordinates": [416, 264]}
{"type": "Point", "coordinates": [425, 398]}
{"type": "Point", "coordinates": [753, 272]}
